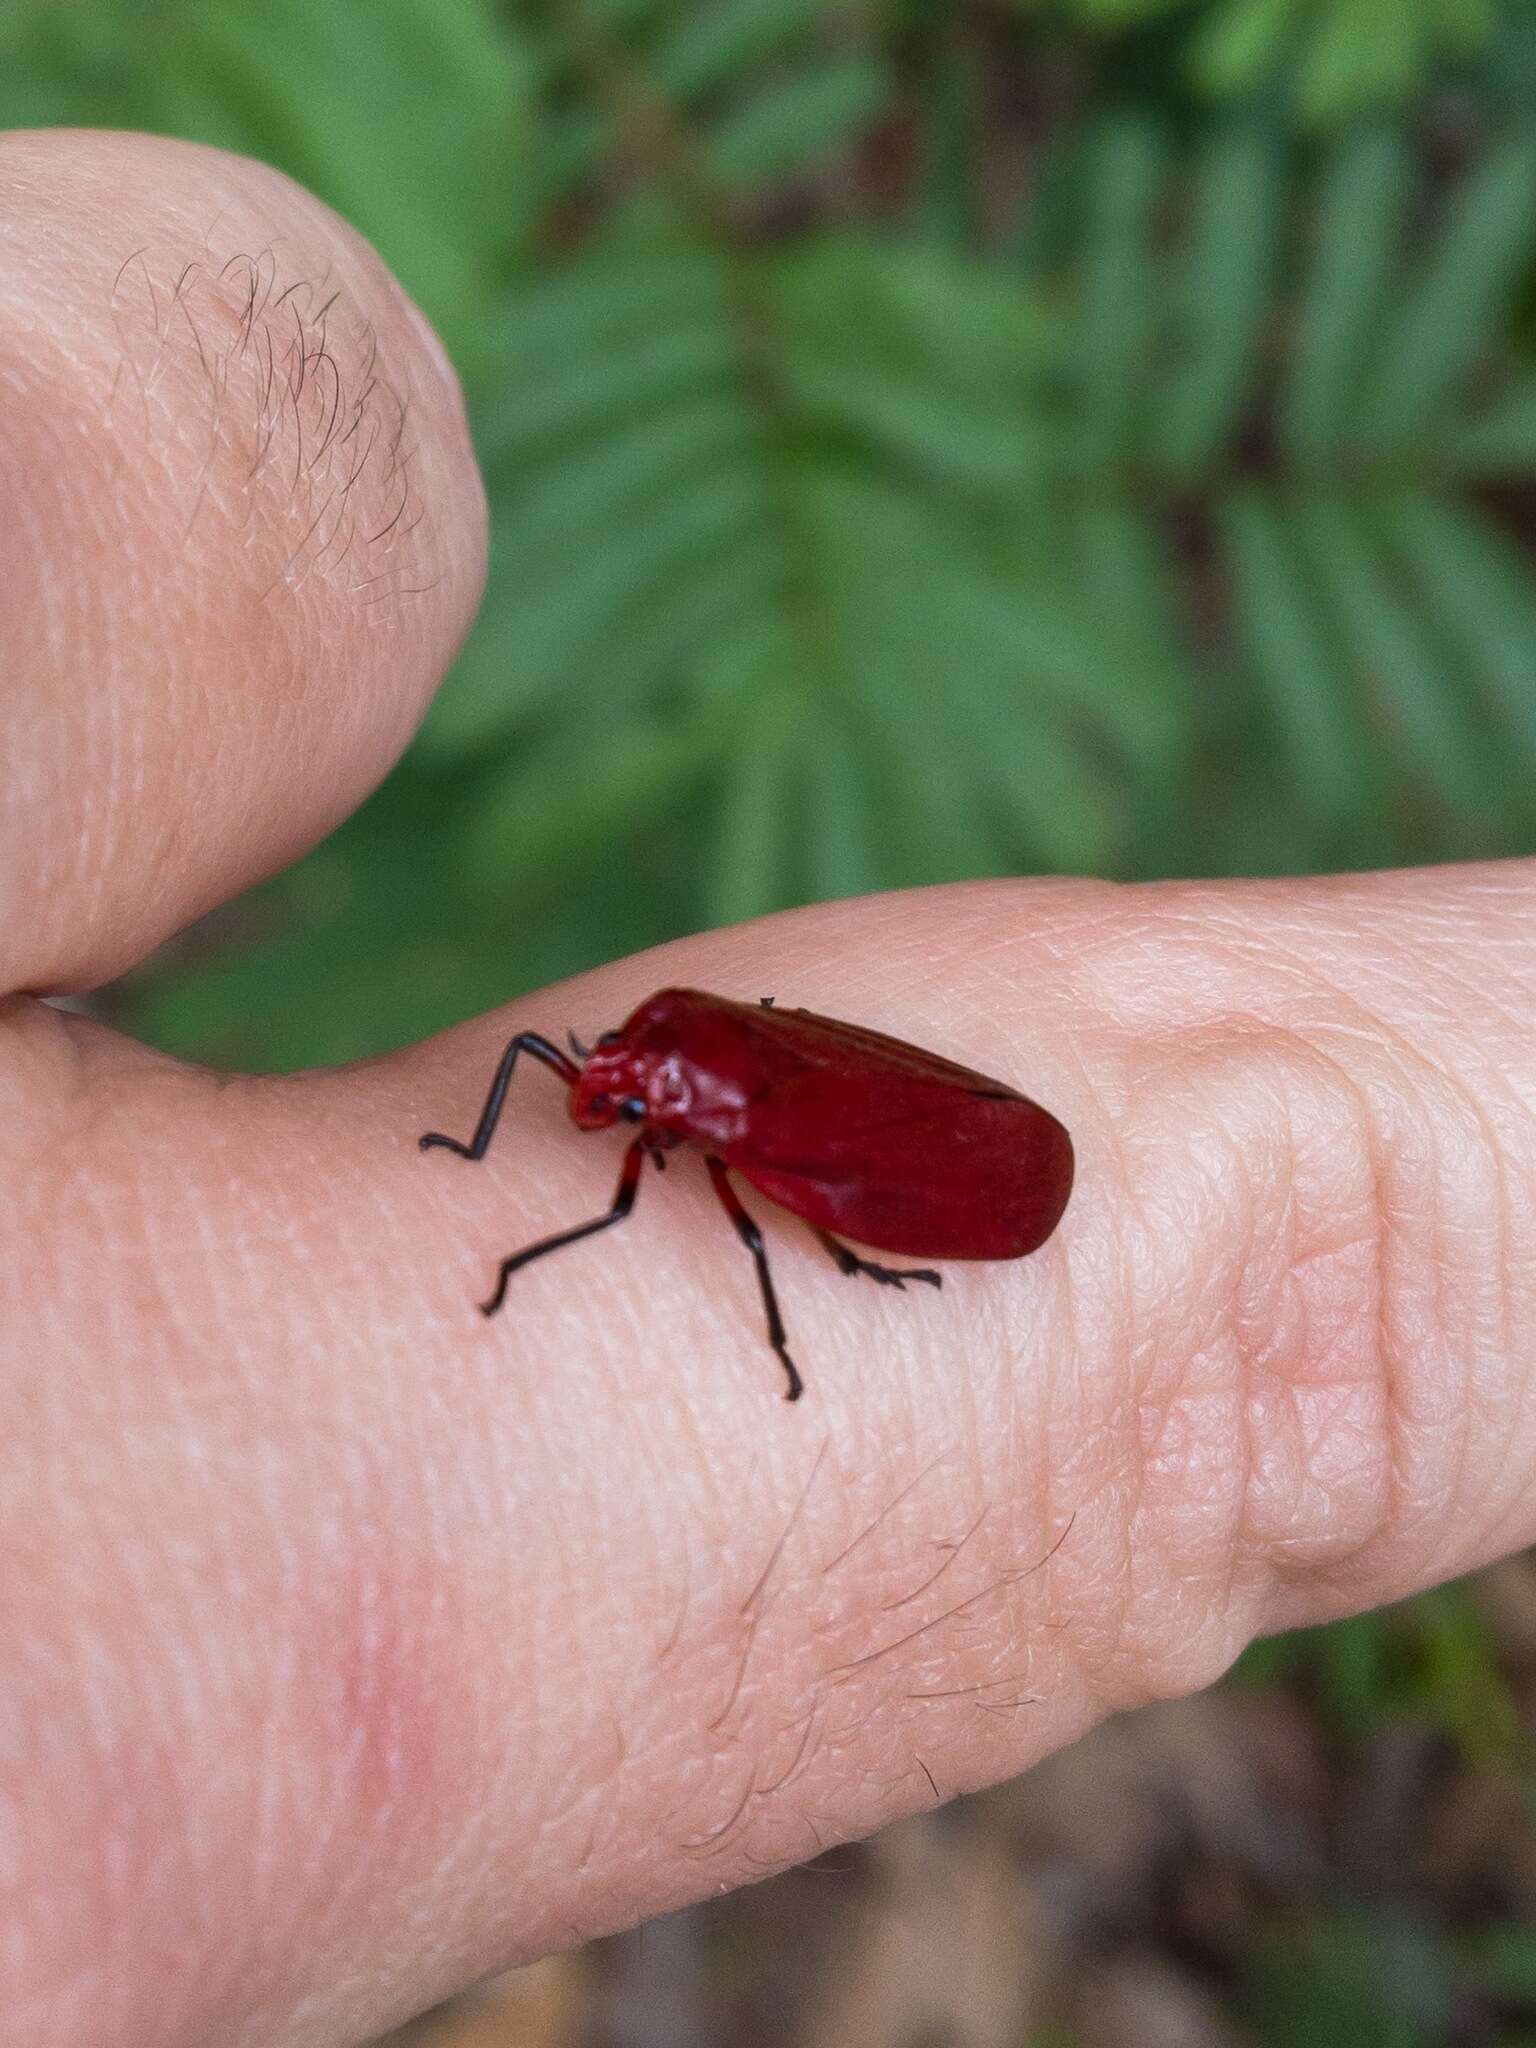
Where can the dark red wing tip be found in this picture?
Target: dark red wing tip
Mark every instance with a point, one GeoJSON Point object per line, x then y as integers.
{"type": "Point", "coordinates": [1060, 1170]}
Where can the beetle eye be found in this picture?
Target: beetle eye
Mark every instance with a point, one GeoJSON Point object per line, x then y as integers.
{"type": "Point", "coordinates": [609, 1037]}
{"type": "Point", "coordinates": [599, 1105]}
{"type": "Point", "coordinates": [632, 1109]}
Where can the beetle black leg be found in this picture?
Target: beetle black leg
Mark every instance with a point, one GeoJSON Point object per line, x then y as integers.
{"type": "Point", "coordinates": [888, 1276]}
{"type": "Point", "coordinates": [623, 1202]}
{"type": "Point", "coordinates": [525, 1041]}
{"type": "Point", "coordinates": [752, 1238]}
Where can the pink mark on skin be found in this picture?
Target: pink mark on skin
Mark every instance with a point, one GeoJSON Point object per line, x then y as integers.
{"type": "Point", "coordinates": [392, 1705]}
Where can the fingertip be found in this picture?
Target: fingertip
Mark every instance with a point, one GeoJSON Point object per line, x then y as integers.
{"type": "Point", "coordinates": [249, 535]}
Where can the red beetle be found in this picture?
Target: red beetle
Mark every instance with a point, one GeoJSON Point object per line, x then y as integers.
{"type": "Point", "coordinates": [857, 1133]}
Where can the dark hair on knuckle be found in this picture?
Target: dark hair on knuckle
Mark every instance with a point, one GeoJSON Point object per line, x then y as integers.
{"type": "Point", "coordinates": [300, 414]}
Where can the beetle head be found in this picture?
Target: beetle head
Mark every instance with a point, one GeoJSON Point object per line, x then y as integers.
{"type": "Point", "coordinates": [610, 1088]}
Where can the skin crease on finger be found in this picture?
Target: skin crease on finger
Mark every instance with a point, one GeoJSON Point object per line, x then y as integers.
{"type": "Point", "coordinates": [384, 1644]}
{"type": "Point", "coordinates": [353, 1644]}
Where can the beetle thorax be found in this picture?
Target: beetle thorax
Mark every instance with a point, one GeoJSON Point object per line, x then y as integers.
{"type": "Point", "coordinates": [675, 1098]}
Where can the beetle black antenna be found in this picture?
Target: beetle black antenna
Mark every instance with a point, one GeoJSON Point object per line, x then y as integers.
{"type": "Point", "coordinates": [581, 1051]}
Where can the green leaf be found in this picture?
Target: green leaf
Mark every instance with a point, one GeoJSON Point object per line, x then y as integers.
{"type": "Point", "coordinates": [1238, 43]}
{"type": "Point", "coordinates": [1479, 586]}
{"type": "Point", "coordinates": [1500, 440]}
{"type": "Point", "coordinates": [932, 804]}
{"type": "Point", "coordinates": [603, 483]}
{"type": "Point", "coordinates": [916, 579]}
{"type": "Point", "coordinates": [1129, 586]}
{"type": "Point", "coordinates": [949, 201]}
{"type": "Point", "coordinates": [654, 371]}
{"type": "Point", "coordinates": [747, 871]}
{"type": "Point", "coordinates": [840, 860]}
{"type": "Point", "coordinates": [1403, 670]}
{"type": "Point", "coordinates": [991, 453]}
{"type": "Point", "coordinates": [1445, 322]}
{"type": "Point", "coordinates": [1232, 251]}
{"type": "Point", "coordinates": [556, 811]}
{"type": "Point", "coordinates": [793, 125]}
{"type": "Point", "coordinates": [665, 633]}
{"type": "Point", "coordinates": [653, 277]}
{"type": "Point", "coordinates": [1360, 51]}
{"type": "Point", "coordinates": [1356, 249]}
{"type": "Point", "coordinates": [718, 41]}
{"type": "Point", "coordinates": [923, 622]}
{"type": "Point", "coordinates": [1284, 633]}
{"type": "Point", "coordinates": [1117, 322]}
{"type": "Point", "coordinates": [568, 630]}
{"type": "Point", "coordinates": [917, 310]}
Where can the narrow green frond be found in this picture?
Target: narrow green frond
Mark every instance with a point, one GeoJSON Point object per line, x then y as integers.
{"type": "Point", "coordinates": [1073, 665]}
{"type": "Point", "coordinates": [1231, 257]}
{"type": "Point", "coordinates": [572, 146]}
{"type": "Point", "coordinates": [1450, 313]}
{"type": "Point", "coordinates": [839, 858]}
{"type": "Point", "coordinates": [795, 124]}
{"type": "Point", "coordinates": [1465, 25]}
{"type": "Point", "coordinates": [1361, 51]}
{"type": "Point", "coordinates": [718, 41]}
{"type": "Point", "coordinates": [666, 630]}
{"type": "Point", "coordinates": [925, 428]}
{"type": "Point", "coordinates": [560, 630]}
{"type": "Point", "coordinates": [573, 401]}
{"type": "Point", "coordinates": [941, 828]}
{"type": "Point", "coordinates": [914, 576]}
{"type": "Point", "coordinates": [1281, 628]}
{"type": "Point", "coordinates": [948, 201]}
{"type": "Point", "coordinates": [1356, 249]}
{"type": "Point", "coordinates": [745, 872]}
{"type": "Point", "coordinates": [1500, 440]}
{"type": "Point", "coordinates": [650, 282]}
{"type": "Point", "coordinates": [1129, 586]}
{"type": "Point", "coordinates": [600, 485]}
{"type": "Point", "coordinates": [1417, 697]}
{"type": "Point", "coordinates": [1002, 676]}
{"type": "Point", "coordinates": [1043, 786]}
{"type": "Point", "coordinates": [540, 823]}
{"type": "Point", "coordinates": [1117, 323]}
{"type": "Point", "coordinates": [916, 311]}
{"type": "Point", "coordinates": [678, 627]}
{"type": "Point", "coordinates": [1478, 583]}
{"type": "Point", "coordinates": [1237, 44]}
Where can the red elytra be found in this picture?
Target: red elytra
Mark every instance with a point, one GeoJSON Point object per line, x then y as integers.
{"type": "Point", "coordinates": [856, 1133]}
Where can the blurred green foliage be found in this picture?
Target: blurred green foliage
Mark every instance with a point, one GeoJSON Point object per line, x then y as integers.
{"type": "Point", "coordinates": [1433, 1661]}
{"type": "Point", "coordinates": [1332, 58]}
{"type": "Point", "coordinates": [923, 441]}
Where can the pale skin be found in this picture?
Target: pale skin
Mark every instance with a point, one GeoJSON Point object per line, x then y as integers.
{"type": "Point", "coordinates": [352, 1645]}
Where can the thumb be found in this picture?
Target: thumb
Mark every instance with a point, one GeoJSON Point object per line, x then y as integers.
{"type": "Point", "coordinates": [235, 470]}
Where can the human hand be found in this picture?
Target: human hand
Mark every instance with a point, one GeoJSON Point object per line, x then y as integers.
{"type": "Point", "coordinates": [351, 1645]}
